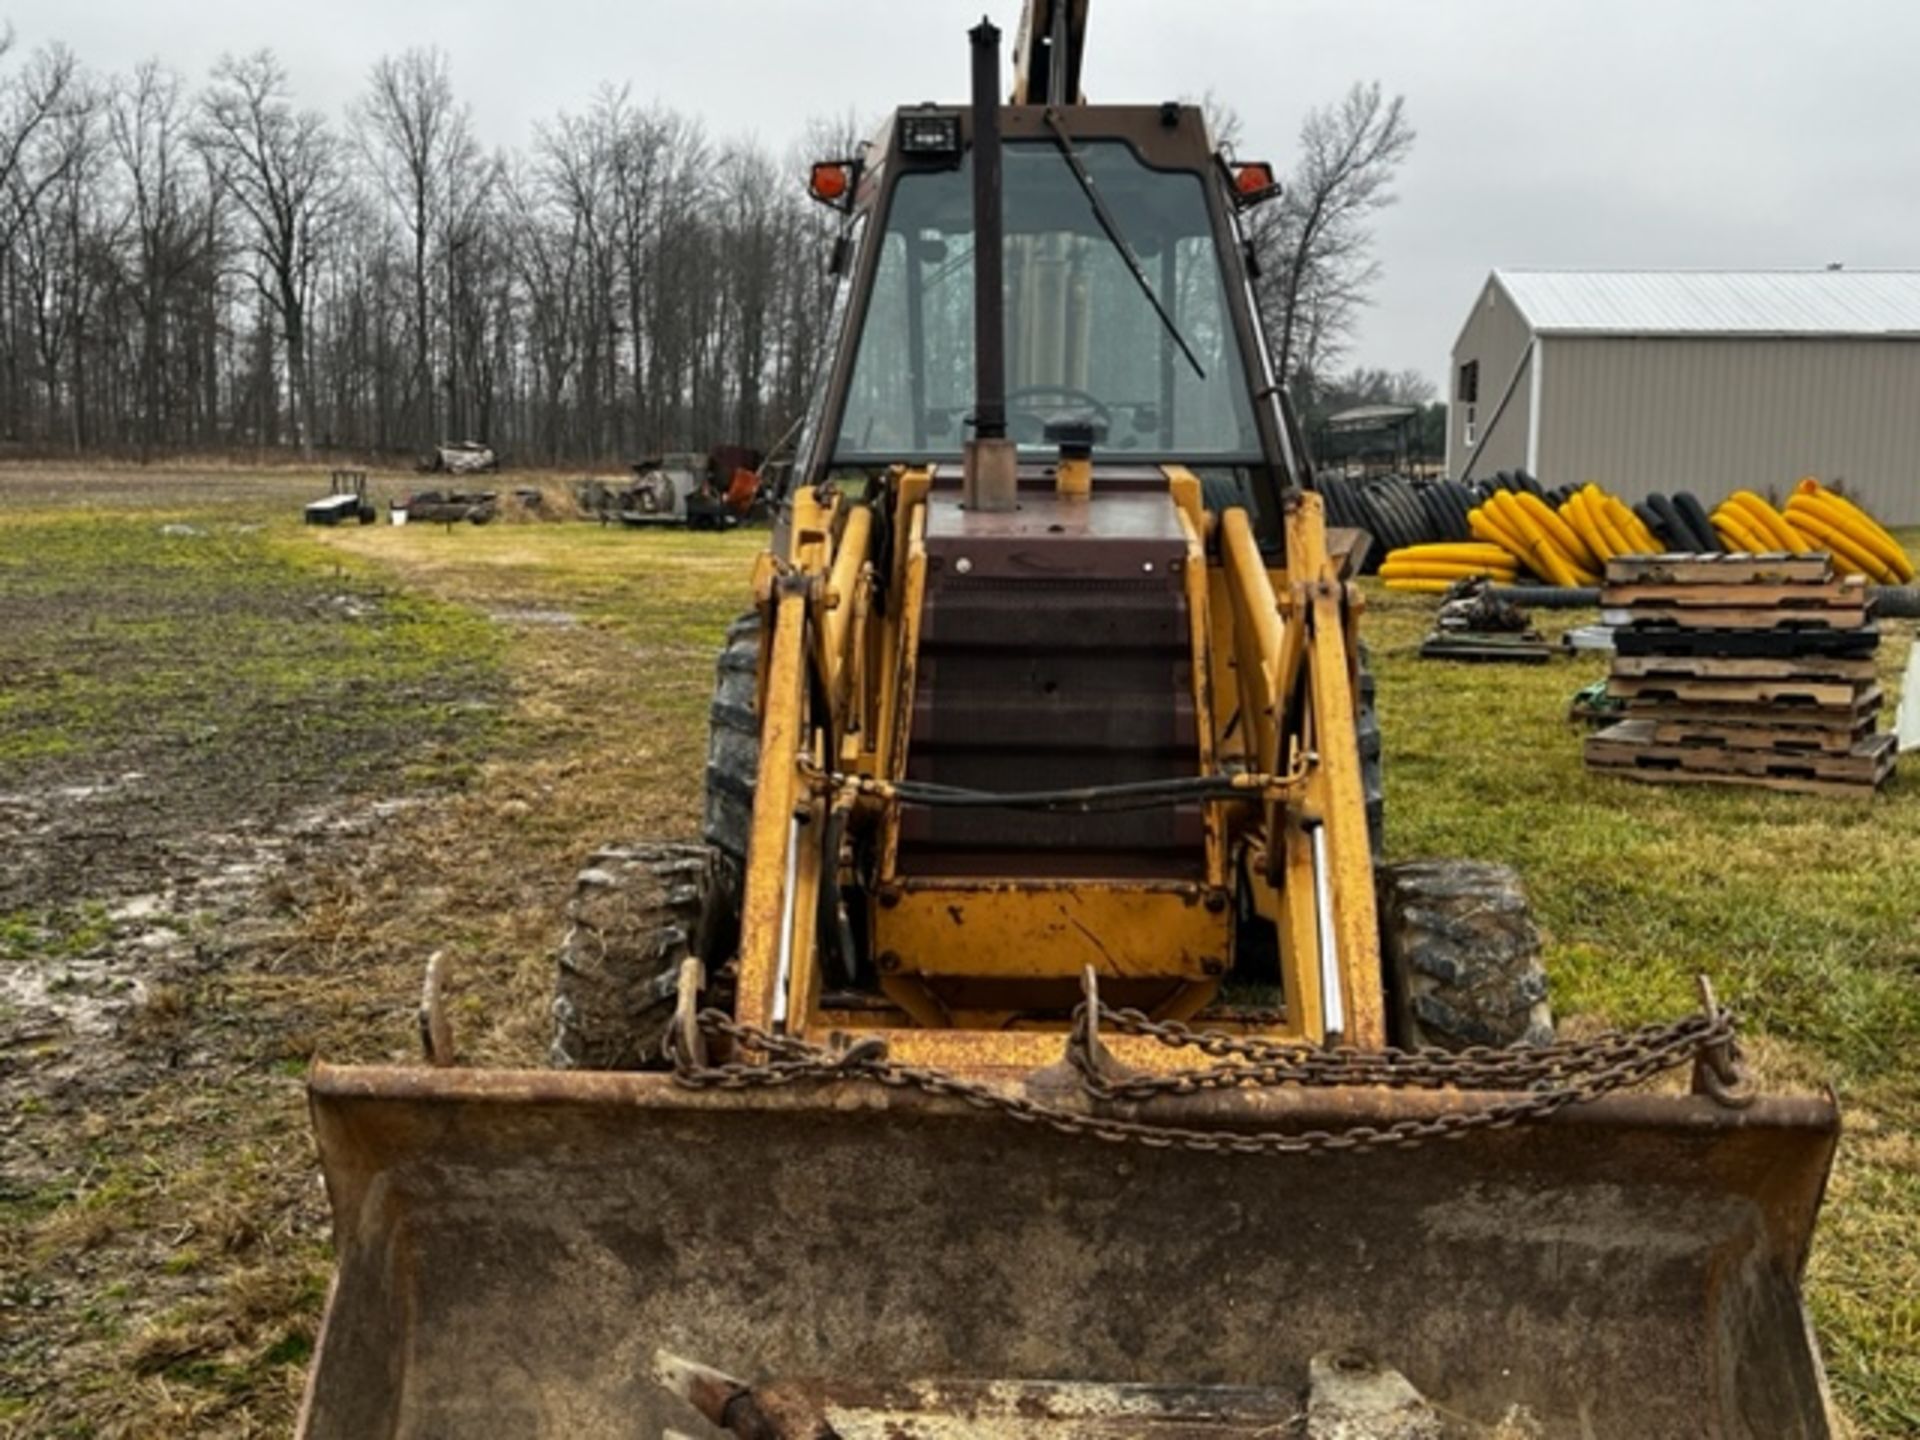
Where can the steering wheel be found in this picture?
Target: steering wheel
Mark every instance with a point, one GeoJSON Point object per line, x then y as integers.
{"type": "Point", "coordinates": [1102, 413]}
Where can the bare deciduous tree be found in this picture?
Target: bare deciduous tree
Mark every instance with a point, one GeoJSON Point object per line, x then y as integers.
{"type": "Point", "coordinates": [642, 146]}
{"type": "Point", "coordinates": [1315, 242]}
{"type": "Point", "coordinates": [50, 203]}
{"type": "Point", "coordinates": [415, 135]}
{"type": "Point", "coordinates": [283, 169]}
{"type": "Point", "coordinates": [546, 257]}
{"type": "Point", "coordinates": [45, 91]}
{"type": "Point", "coordinates": [576, 159]}
{"type": "Point", "coordinates": [169, 215]}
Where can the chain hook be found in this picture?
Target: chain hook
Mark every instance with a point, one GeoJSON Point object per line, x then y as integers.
{"type": "Point", "coordinates": [686, 1040]}
{"type": "Point", "coordinates": [1086, 1019]}
{"type": "Point", "coordinates": [1719, 1073]}
{"type": "Point", "coordinates": [1083, 1029]}
{"type": "Point", "coordinates": [854, 1054]}
{"type": "Point", "coordinates": [1100, 1073]}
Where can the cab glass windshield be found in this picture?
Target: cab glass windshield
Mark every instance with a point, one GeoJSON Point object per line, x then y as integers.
{"type": "Point", "coordinates": [1083, 341]}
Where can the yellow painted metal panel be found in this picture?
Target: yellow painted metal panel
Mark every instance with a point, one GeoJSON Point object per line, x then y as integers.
{"type": "Point", "coordinates": [1335, 796]}
{"type": "Point", "coordinates": [1028, 1050]}
{"type": "Point", "coordinates": [1015, 930]}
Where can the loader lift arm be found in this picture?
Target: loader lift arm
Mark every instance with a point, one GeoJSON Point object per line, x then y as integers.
{"type": "Point", "coordinates": [1047, 52]}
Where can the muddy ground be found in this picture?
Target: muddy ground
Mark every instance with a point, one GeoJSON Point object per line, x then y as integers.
{"type": "Point", "coordinates": [248, 782]}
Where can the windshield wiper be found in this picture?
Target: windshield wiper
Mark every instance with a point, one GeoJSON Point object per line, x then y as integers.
{"type": "Point", "coordinates": [1119, 241]}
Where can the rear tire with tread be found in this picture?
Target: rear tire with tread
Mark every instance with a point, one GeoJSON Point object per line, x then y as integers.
{"type": "Point", "coordinates": [1462, 956]}
{"type": "Point", "coordinates": [733, 768]}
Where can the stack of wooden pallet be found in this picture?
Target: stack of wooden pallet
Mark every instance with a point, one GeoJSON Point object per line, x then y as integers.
{"type": "Point", "coordinates": [1742, 670]}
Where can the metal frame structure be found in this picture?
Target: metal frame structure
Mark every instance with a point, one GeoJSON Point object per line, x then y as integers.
{"type": "Point", "coordinates": [1273, 687]}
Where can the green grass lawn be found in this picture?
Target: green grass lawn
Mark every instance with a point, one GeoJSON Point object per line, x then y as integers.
{"type": "Point", "coordinates": [118, 626]}
{"type": "Point", "coordinates": [183, 684]}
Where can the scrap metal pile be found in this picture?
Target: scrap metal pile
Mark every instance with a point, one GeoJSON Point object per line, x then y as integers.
{"type": "Point", "coordinates": [1473, 624]}
{"type": "Point", "coordinates": [1743, 670]}
{"type": "Point", "coordinates": [711, 491]}
{"type": "Point", "coordinates": [446, 507]}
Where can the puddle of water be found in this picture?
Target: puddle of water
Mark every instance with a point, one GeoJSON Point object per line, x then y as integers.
{"type": "Point", "coordinates": [62, 1000]}
{"type": "Point", "coordinates": [44, 999]}
{"type": "Point", "coordinates": [346, 607]}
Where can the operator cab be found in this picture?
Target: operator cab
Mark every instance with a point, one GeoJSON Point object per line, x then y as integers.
{"type": "Point", "coordinates": [1126, 305]}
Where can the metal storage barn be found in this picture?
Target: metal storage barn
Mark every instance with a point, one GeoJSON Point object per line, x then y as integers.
{"type": "Point", "coordinates": [1695, 380]}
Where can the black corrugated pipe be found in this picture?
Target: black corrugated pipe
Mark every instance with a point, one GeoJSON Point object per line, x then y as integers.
{"type": "Point", "coordinates": [1896, 602]}
{"type": "Point", "coordinates": [1548, 597]}
{"type": "Point", "coordinates": [989, 316]}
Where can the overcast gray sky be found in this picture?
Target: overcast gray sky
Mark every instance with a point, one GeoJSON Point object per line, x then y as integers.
{"type": "Point", "coordinates": [1622, 133]}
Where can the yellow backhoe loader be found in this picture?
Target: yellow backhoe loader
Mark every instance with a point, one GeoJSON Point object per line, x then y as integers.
{"type": "Point", "coordinates": [1035, 1045]}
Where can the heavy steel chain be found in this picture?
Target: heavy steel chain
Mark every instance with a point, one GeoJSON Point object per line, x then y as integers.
{"type": "Point", "coordinates": [1538, 1081]}
{"type": "Point", "coordinates": [1250, 1061]}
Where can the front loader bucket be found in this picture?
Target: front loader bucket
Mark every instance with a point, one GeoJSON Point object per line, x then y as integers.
{"type": "Point", "coordinates": [515, 1248]}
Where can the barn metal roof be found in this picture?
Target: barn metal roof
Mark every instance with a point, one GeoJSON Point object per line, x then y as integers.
{"type": "Point", "coordinates": [1717, 302]}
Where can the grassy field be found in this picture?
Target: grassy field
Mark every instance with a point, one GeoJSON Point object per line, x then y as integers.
{"type": "Point", "coordinates": [352, 747]}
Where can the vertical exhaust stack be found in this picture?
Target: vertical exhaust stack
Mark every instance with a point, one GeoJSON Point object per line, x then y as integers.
{"type": "Point", "coordinates": [991, 470]}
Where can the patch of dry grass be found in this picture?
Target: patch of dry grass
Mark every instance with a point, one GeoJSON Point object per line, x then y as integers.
{"type": "Point", "coordinates": [614, 634]}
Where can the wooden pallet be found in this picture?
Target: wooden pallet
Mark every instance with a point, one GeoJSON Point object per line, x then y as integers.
{"type": "Point", "coordinates": [1784, 619]}
{"type": "Point", "coordinates": [1759, 737]}
{"type": "Point", "coordinates": [1808, 717]}
{"type": "Point", "coordinates": [1740, 568]}
{"type": "Point", "coordinates": [1836, 789]}
{"type": "Point", "coordinates": [1738, 667]}
{"type": "Point", "coordinates": [1850, 594]}
{"type": "Point", "coordinates": [1714, 690]}
{"type": "Point", "coordinates": [1631, 748]}
{"type": "Point", "coordinates": [1674, 640]}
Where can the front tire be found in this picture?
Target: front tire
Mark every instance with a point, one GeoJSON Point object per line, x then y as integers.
{"type": "Point", "coordinates": [1462, 955]}
{"type": "Point", "coordinates": [633, 917]}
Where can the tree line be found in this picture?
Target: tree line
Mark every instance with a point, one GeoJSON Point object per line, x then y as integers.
{"type": "Point", "coordinates": [215, 266]}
